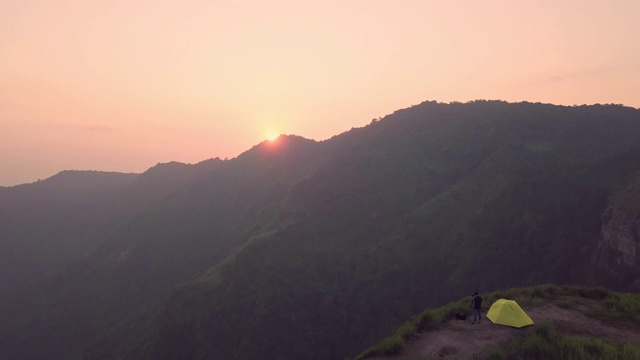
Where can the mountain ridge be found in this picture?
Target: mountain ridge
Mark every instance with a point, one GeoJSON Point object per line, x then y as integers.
{"type": "Point", "coordinates": [338, 239]}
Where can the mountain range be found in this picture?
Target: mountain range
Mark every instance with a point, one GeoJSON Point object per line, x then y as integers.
{"type": "Point", "coordinates": [317, 250]}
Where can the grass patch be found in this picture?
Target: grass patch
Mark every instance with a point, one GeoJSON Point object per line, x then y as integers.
{"type": "Point", "coordinates": [618, 308]}
{"type": "Point", "coordinates": [570, 303]}
{"type": "Point", "coordinates": [391, 346]}
{"type": "Point", "coordinates": [593, 293]}
{"type": "Point", "coordinates": [496, 354]}
{"type": "Point", "coordinates": [625, 306]}
{"type": "Point", "coordinates": [545, 342]}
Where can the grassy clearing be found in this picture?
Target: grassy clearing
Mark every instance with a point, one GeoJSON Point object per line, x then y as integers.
{"type": "Point", "coordinates": [545, 342]}
{"type": "Point", "coordinates": [600, 303]}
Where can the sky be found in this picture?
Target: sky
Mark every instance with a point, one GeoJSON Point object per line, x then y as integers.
{"type": "Point", "coordinates": [123, 85]}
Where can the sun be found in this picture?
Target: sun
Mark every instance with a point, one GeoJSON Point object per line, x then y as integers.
{"type": "Point", "coordinates": [272, 136]}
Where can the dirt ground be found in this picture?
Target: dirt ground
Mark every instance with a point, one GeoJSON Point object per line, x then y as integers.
{"type": "Point", "coordinates": [463, 340]}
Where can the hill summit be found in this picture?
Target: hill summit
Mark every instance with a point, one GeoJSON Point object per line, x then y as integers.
{"type": "Point", "coordinates": [570, 323]}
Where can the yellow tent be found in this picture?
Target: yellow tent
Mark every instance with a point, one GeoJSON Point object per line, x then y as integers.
{"type": "Point", "coordinates": [508, 312]}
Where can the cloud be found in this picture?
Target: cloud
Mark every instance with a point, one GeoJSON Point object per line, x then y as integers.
{"type": "Point", "coordinates": [568, 76]}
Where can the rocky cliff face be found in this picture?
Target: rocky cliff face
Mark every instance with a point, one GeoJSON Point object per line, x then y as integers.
{"type": "Point", "coordinates": [621, 233]}
{"type": "Point", "coordinates": [619, 246]}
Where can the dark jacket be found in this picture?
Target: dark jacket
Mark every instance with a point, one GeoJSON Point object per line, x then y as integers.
{"type": "Point", "coordinates": [477, 302]}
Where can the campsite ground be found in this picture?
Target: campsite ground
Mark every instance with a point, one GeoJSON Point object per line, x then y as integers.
{"type": "Point", "coordinates": [463, 340]}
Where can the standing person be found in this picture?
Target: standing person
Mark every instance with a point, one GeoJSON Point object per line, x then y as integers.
{"type": "Point", "coordinates": [476, 304]}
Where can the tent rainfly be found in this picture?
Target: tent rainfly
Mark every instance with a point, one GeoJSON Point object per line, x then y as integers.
{"type": "Point", "coordinates": [509, 313]}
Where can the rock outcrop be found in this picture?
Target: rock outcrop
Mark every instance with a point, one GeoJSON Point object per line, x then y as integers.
{"type": "Point", "coordinates": [619, 246]}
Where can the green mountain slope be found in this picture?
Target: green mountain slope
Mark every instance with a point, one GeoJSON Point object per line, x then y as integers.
{"type": "Point", "coordinates": [418, 208]}
{"type": "Point", "coordinates": [304, 249]}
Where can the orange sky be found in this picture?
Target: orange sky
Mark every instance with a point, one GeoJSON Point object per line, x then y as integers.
{"type": "Point", "coordinates": [122, 85]}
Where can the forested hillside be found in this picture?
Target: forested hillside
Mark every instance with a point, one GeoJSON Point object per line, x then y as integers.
{"type": "Point", "coordinates": [316, 250]}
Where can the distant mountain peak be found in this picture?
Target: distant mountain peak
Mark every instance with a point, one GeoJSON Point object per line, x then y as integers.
{"type": "Point", "coordinates": [283, 144]}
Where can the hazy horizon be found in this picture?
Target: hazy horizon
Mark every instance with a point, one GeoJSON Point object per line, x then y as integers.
{"type": "Point", "coordinates": [124, 85]}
